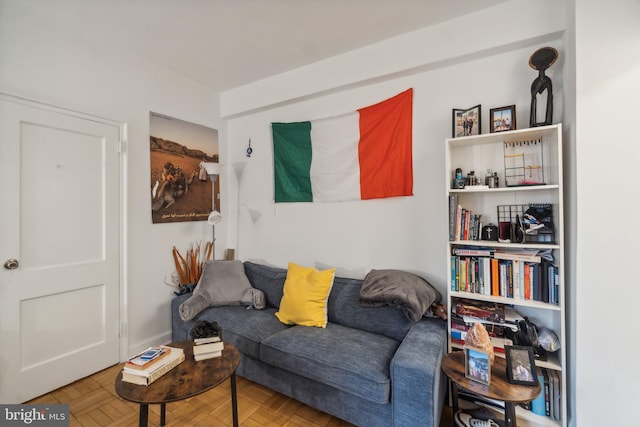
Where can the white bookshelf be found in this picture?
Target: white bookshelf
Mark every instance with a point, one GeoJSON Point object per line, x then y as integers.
{"type": "Point", "coordinates": [479, 153]}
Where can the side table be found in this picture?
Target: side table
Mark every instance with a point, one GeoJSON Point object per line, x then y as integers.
{"type": "Point", "coordinates": [498, 389]}
{"type": "Point", "coordinates": [188, 379]}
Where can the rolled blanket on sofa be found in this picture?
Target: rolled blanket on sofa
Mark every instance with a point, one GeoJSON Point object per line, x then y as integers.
{"type": "Point", "coordinates": [221, 283]}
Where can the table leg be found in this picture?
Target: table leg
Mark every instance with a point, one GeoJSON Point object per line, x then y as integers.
{"type": "Point", "coordinates": [454, 397]}
{"type": "Point", "coordinates": [144, 415]}
{"type": "Point", "coordinates": [234, 400]}
{"type": "Point", "coordinates": [509, 414]}
{"type": "Point", "coordinates": [163, 414]}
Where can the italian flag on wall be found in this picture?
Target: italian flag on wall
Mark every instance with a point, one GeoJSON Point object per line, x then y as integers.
{"type": "Point", "coordinates": [361, 155]}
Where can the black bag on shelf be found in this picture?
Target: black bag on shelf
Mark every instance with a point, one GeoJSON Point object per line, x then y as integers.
{"type": "Point", "coordinates": [527, 336]}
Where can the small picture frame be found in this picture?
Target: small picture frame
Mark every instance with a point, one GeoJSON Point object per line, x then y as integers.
{"type": "Point", "coordinates": [476, 365]}
{"type": "Point", "coordinates": [521, 368]}
{"type": "Point", "coordinates": [502, 119]}
{"type": "Point", "coordinates": [467, 122]}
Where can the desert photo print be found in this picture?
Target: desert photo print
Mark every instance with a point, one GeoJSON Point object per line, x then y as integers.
{"type": "Point", "coordinates": [181, 190]}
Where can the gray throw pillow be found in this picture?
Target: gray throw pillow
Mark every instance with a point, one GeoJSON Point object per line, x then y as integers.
{"type": "Point", "coordinates": [221, 283]}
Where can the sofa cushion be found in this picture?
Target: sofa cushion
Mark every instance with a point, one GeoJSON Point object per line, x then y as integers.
{"type": "Point", "coordinates": [345, 309]}
{"type": "Point", "coordinates": [244, 328]}
{"type": "Point", "coordinates": [269, 280]}
{"type": "Point", "coordinates": [348, 359]}
{"type": "Point", "coordinates": [306, 292]}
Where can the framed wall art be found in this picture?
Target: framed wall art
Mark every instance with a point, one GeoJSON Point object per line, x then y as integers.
{"type": "Point", "coordinates": [181, 190]}
{"type": "Point", "coordinates": [466, 122]}
{"type": "Point", "coordinates": [502, 119]}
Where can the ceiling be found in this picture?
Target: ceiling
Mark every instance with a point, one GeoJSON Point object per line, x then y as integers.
{"type": "Point", "coordinates": [228, 43]}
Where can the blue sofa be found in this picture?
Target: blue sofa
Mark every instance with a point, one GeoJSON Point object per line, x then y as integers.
{"type": "Point", "coordinates": [371, 366]}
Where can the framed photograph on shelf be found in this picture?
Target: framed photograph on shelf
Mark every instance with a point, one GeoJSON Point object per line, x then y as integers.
{"type": "Point", "coordinates": [521, 368]}
{"type": "Point", "coordinates": [466, 122]}
{"type": "Point", "coordinates": [502, 119]}
{"type": "Point", "coordinates": [476, 365]}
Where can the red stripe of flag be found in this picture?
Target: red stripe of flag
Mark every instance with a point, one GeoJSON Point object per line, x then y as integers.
{"type": "Point", "coordinates": [386, 165]}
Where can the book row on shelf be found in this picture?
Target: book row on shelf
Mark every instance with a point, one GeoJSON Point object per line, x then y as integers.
{"type": "Point", "coordinates": [466, 226]}
{"type": "Point", "coordinates": [548, 403]}
{"type": "Point", "coordinates": [500, 321]}
{"type": "Point", "coordinates": [509, 278]}
{"type": "Point", "coordinates": [497, 334]}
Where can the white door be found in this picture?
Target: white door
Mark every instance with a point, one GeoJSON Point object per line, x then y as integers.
{"type": "Point", "coordinates": [59, 248]}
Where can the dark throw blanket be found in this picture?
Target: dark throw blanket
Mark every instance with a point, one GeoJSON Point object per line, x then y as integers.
{"type": "Point", "coordinates": [411, 293]}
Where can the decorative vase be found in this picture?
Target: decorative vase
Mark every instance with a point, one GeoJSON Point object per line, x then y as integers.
{"type": "Point", "coordinates": [185, 289]}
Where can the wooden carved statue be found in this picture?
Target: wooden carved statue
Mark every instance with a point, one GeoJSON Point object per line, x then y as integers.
{"type": "Point", "coordinates": [541, 60]}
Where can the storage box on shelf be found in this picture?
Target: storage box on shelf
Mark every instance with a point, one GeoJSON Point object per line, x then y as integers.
{"type": "Point", "coordinates": [477, 270]}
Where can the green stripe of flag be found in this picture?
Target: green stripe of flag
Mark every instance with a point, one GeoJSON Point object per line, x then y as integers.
{"type": "Point", "coordinates": [292, 161]}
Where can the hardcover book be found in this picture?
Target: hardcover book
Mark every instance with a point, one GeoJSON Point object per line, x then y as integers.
{"type": "Point", "coordinates": [208, 348]}
{"type": "Point", "coordinates": [142, 377]}
{"type": "Point", "coordinates": [481, 310]}
{"type": "Point", "coordinates": [209, 355]}
{"type": "Point", "coordinates": [538, 404]}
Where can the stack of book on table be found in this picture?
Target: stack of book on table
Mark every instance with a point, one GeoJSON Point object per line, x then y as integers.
{"type": "Point", "coordinates": [151, 364]}
{"type": "Point", "coordinates": [207, 348]}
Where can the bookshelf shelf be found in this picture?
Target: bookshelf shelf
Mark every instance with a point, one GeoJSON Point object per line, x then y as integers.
{"type": "Point", "coordinates": [492, 244]}
{"type": "Point", "coordinates": [505, 189]}
{"type": "Point", "coordinates": [507, 301]}
{"type": "Point", "coordinates": [546, 308]}
{"type": "Point", "coordinates": [551, 363]}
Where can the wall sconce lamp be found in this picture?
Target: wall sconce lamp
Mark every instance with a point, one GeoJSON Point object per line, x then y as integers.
{"type": "Point", "coordinates": [253, 213]}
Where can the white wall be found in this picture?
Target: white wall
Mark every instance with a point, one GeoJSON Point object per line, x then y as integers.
{"type": "Point", "coordinates": [476, 35]}
{"type": "Point", "coordinates": [608, 154]}
{"type": "Point", "coordinates": [41, 61]}
{"type": "Point", "coordinates": [405, 232]}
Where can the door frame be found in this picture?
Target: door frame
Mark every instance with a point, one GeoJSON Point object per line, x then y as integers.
{"type": "Point", "coordinates": [123, 332]}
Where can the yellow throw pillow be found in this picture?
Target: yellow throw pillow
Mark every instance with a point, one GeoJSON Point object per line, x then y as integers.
{"type": "Point", "coordinates": [305, 296]}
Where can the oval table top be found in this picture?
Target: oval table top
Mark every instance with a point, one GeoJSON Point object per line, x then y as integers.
{"type": "Point", "coordinates": [188, 379]}
{"type": "Point", "coordinates": [499, 388]}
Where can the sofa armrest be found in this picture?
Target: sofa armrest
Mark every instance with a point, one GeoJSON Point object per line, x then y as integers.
{"type": "Point", "coordinates": [179, 328]}
{"type": "Point", "coordinates": [418, 384]}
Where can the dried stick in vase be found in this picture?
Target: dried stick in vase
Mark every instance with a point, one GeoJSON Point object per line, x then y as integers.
{"type": "Point", "coordinates": [179, 262]}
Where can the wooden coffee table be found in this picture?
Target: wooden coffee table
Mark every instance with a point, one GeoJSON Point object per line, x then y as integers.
{"type": "Point", "coordinates": [188, 379]}
{"type": "Point", "coordinates": [498, 389]}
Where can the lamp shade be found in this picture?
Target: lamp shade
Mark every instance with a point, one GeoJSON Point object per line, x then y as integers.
{"type": "Point", "coordinates": [239, 167]}
{"type": "Point", "coordinates": [214, 218]}
{"type": "Point", "coordinates": [212, 168]}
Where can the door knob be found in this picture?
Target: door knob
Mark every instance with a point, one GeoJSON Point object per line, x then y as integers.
{"type": "Point", "coordinates": [11, 264]}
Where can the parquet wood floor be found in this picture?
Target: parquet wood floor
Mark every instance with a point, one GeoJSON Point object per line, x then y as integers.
{"type": "Point", "coordinates": [93, 402]}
